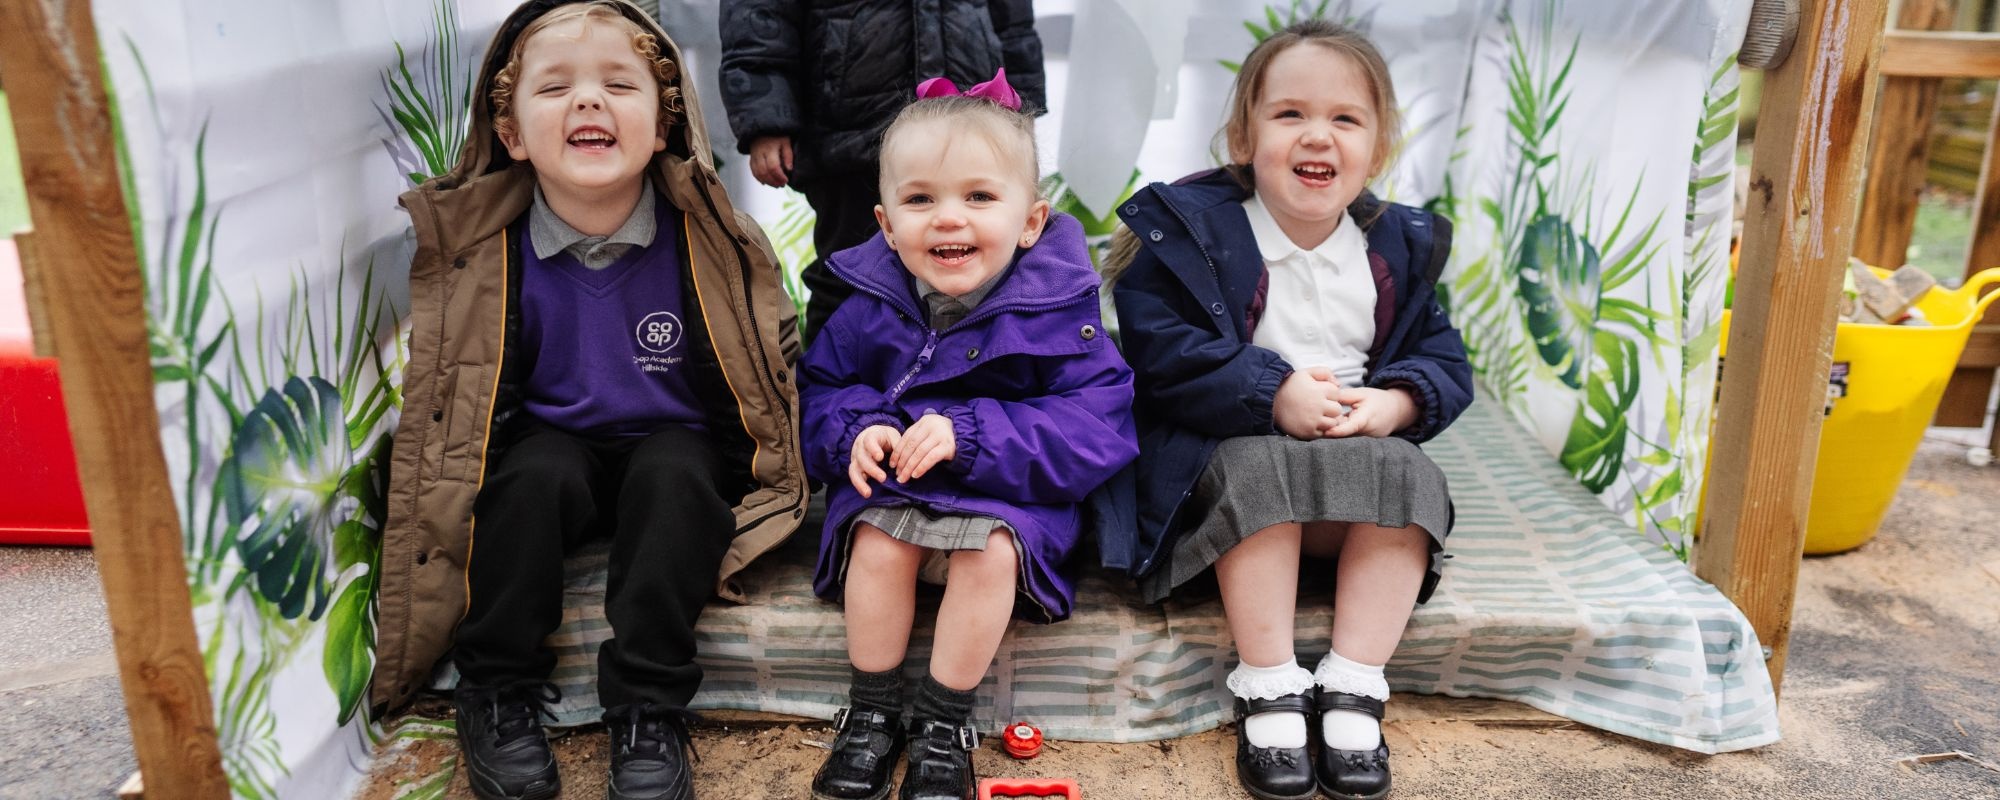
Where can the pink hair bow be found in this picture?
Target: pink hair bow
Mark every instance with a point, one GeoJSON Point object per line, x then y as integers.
{"type": "Point", "coordinates": [995, 90]}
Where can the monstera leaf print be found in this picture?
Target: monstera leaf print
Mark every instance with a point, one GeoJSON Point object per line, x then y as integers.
{"type": "Point", "coordinates": [1560, 286]}
{"type": "Point", "coordinates": [282, 486]}
{"type": "Point", "coordinates": [1595, 449]}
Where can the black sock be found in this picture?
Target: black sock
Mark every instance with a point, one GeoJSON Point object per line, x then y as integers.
{"type": "Point", "coordinates": [877, 691]}
{"type": "Point", "coordinates": [936, 701]}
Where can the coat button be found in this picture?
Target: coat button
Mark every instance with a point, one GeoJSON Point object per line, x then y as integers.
{"type": "Point", "coordinates": [1156, 236]}
{"type": "Point", "coordinates": [423, 558]}
{"type": "Point", "coordinates": [972, 352]}
{"type": "Point", "coordinates": [781, 376]}
{"type": "Point", "coordinates": [1089, 332]}
{"type": "Point", "coordinates": [1215, 308]}
{"type": "Point", "coordinates": [1416, 223]}
{"type": "Point", "coordinates": [458, 263]}
{"type": "Point", "coordinates": [437, 416]}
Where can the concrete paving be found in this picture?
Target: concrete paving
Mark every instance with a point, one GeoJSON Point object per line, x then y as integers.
{"type": "Point", "coordinates": [62, 716]}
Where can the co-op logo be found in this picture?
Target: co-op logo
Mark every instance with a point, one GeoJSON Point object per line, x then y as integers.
{"type": "Point", "coordinates": [660, 331]}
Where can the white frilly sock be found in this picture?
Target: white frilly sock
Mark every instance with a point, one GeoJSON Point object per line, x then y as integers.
{"type": "Point", "coordinates": [1272, 728]}
{"type": "Point", "coordinates": [1344, 729]}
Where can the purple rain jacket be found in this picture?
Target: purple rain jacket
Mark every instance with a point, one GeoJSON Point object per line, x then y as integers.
{"type": "Point", "coordinates": [1038, 396]}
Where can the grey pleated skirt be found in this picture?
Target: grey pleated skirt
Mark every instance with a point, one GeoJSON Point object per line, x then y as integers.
{"type": "Point", "coordinates": [1254, 482]}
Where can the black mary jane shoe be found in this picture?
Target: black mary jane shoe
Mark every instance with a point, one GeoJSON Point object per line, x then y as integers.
{"type": "Point", "coordinates": [940, 765]}
{"type": "Point", "coordinates": [864, 753]}
{"type": "Point", "coordinates": [1274, 773]}
{"type": "Point", "coordinates": [1353, 774]}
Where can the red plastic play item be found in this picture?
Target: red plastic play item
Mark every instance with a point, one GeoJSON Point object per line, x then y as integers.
{"type": "Point", "coordinates": [990, 788]}
{"type": "Point", "coordinates": [1022, 740]}
{"type": "Point", "coordinates": [41, 501]}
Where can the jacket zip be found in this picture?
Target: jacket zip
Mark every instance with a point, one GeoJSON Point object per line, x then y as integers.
{"type": "Point", "coordinates": [1212, 273]}
{"type": "Point", "coordinates": [750, 307]}
{"type": "Point", "coordinates": [923, 360]}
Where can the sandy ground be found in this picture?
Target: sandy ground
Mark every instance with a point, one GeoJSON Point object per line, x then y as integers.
{"type": "Point", "coordinates": [1894, 652]}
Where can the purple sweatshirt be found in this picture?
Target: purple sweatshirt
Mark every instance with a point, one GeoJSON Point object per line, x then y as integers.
{"type": "Point", "coordinates": [608, 353]}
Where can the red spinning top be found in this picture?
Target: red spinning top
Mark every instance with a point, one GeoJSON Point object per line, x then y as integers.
{"type": "Point", "coordinates": [1022, 740]}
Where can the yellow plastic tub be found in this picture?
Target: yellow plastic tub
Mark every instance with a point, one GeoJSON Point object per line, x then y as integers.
{"type": "Point", "coordinates": [1885, 387]}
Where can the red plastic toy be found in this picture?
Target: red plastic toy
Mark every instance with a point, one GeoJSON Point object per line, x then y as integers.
{"type": "Point", "coordinates": [41, 501]}
{"type": "Point", "coordinates": [1022, 740]}
{"type": "Point", "coordinates": [990, 788]}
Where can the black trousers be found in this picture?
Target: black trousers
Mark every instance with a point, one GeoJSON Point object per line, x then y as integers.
{"type": "Point", "coordinates": [844, 211]}
{"type": "Point", "coordinates": [658, 497]}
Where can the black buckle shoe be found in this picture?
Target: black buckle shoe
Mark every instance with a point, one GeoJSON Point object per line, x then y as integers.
{"type": "Point", "coordinates": [864, 753]}
{"type": "Point", "coordinates": [1274, 773]}
{"type": "Point", "coordinates": [1353, 774]}
{"type": "Point", "coordinates": [649, 752]}
{"type": "Point", "coordinates": [940, 766]}
{"type": "Point", "coordinates": [507, 754]}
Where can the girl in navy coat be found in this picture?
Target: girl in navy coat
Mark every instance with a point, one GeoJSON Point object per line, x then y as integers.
{"type": "Point", "coordinates": [959, 406]}
{"type": "Point", "coordinates": [1291, 354]}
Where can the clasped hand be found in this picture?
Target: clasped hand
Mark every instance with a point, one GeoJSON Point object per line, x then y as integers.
{"type": "Point", "coordinates": [911, 452]}
{"type": "Point", "coordinates": [1310, 404]}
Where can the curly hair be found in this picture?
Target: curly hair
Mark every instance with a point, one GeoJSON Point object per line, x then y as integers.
{"type": "Point", "coordinates": [665, 71]}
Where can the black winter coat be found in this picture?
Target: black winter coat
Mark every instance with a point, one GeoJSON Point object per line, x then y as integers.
{"type": "Point", "coordinates": [832, 74]}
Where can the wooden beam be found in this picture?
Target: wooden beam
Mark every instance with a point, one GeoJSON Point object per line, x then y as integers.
{"type": "Point", "coordinates": [92, 304]}
{"type": "Point", "coordinates": [1898, 153]}
{"type": "Point", "coordinates": [1964, 401]}
{"type": "Point", "coordinates": [1804, 186]}
{"type": "Point", "coordinates": [1941, 54]}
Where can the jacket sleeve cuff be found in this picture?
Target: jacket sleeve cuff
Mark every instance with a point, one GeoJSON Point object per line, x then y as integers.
{"type": "Point", "coordinates": [864, 422]}
{"type": "Point", "coordinates": [1264, 403]}
{"type": "Point", "coordinates": [1425, 396]}
{"type": "Point", "coordinates": [964, 442]}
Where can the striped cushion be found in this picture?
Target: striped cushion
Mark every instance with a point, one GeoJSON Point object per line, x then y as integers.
{"type": "Point", "coordinates": [1548, 600]}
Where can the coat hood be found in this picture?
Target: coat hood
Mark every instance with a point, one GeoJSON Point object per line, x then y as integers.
{"type": "Point", "coordinates": [484, 152]}
{"type": "Point", "coordinates": [487, 188]}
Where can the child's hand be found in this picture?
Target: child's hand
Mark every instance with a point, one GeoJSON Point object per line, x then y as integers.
{"type": "Point", "coordinates": [771, 160]}
{"type": "Point", "coordinates": [1375, 412]}
{"type": "Point", "coordinates": [875, 443]}
{"type": "Point", "coordinates": [1305, 407]}
{"type": "Point", "coordinates": [926, 443]}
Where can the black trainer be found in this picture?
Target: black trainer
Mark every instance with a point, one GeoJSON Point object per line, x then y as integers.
{"type": "Point", "coordinates": [1353, 774]}
{"type": "Point", "coordinates": [507, 754]}
{"type": "Point", "coordinates": [940, 765]}
{"type": "Point", "coordinates": [1274, 773]}
{"type": "Point", "coordinates": [650, 747]}
{"type": "Point", "coordinates": [864, 753]}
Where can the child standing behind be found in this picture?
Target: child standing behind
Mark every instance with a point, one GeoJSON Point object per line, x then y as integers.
{"type": "Point", "coordinates": [960, 406]}
{"type": "Point", "coordinates": [597, 347]}
{"type": "Point", "coordinates": [1291, 354]}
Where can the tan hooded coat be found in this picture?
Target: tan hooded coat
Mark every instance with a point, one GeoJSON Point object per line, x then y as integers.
{"type": "Point", "coordinates": [459, 334]}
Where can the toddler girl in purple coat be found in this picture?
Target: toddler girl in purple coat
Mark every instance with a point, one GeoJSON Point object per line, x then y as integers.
{"type": "Point", "coordinates": [959, 406]}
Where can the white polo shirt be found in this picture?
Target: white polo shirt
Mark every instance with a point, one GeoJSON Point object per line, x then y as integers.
{"type": "Point", "coordinates": [1320, 307]}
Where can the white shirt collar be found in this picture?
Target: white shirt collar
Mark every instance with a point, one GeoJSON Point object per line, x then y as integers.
{"type": "Point", "coordinates": [1274, 245]}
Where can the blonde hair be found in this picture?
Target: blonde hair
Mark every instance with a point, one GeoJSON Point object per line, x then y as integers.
{"type": "Point", "coordinates": [665, 71]}
{"type": "Point", "coordinates": [1238, 134]}
{"type": "Point", "coordinates": [994, 123]}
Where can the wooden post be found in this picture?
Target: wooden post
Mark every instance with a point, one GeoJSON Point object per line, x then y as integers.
{"type": "Point", "coordinates": [1899, 152]}
{"type": "Point", "coordinates": [87, 292]}
{"type": "Point", "coordinates": [1804, 185]}
{"type": "Point", "coordinates": [1964, 402]}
